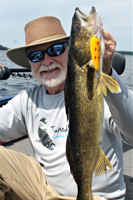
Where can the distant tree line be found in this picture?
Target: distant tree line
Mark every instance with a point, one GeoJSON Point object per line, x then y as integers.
{"type": "Point", "coordinates": [3, 48]}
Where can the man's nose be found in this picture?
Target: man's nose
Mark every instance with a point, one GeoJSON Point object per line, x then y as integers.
{"type": "Point", "coordinates": [47, 60]}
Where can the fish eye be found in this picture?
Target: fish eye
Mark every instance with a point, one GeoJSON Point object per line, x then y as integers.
{"type": "Point", "coordinates": [75, 28]}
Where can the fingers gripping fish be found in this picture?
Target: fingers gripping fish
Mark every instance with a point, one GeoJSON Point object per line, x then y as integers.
{"type": "Point", "coordinates": [84, 88]}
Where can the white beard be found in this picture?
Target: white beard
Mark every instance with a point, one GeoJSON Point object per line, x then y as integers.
{"type": "Point", "coordinates": [53, 79]}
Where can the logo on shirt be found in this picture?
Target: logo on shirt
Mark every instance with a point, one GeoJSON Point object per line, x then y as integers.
{"type": "Point", "coordinates": [44, 136]}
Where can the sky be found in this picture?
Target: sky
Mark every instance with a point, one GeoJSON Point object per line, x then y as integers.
{"type": "Point", "coordinates": [116, 16]}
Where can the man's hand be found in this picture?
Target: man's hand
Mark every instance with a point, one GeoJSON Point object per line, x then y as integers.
{"type": "Point", "coordinates": [110, 44]}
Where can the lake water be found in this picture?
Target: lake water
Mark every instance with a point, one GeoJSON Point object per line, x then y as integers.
{"type": "Point", "coordinates": [14, 85]}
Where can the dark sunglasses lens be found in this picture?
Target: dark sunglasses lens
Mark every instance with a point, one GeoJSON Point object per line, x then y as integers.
{"type": "Point", "coordinates": [56, 50]}
{"type": "Point", "coordinates": [35, 56]}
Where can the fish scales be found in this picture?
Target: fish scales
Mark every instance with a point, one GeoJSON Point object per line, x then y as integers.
{"type": "Point", "coordinates": [84, 88]}
{"type": "Point", "coordinates": [84, 126]}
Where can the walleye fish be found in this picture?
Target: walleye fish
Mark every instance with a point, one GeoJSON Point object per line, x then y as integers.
{"type": "Point", "coordinates": [84, 88]}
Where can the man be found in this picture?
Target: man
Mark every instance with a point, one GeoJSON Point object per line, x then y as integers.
{"type": "Point", "coordinates": [39, 112]}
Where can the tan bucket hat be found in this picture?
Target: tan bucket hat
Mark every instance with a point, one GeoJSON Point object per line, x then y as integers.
{"type": "Point", "coordinates": [38, 31]}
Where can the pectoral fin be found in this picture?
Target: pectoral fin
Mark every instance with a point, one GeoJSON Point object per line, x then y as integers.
{"type": "Point", "coordinates": [109, 82]}
{"type": "Point", "coordinates": [101, 164]}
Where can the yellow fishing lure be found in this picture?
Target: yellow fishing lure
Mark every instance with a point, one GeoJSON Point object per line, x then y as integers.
{"type": "Point", "coordinates": [95, 47]}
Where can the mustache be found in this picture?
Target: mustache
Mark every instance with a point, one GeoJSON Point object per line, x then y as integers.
{"type": "Point", "coordinates": [50, 67]}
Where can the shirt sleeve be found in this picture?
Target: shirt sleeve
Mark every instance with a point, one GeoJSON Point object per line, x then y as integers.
{"type": "Point", "coordinates": [12, 122]}
{"type": "Point", "coordinates": [120, 121]}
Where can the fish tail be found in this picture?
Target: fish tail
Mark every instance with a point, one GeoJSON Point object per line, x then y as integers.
{"type": "Point", "coordinates": [101, 164]}
{"type": "Point", "coordinates": [109, 82]}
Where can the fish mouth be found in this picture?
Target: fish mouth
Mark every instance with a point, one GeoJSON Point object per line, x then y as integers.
{"type": "Point", "coordinates": [92, 20]}
{"type": "Point", "coordinates": [92, 12]}
{"type": "Point", "coordinates": [86, 20]}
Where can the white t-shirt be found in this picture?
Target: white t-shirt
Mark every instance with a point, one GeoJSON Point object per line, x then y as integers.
{"type": "Point", "coordinates": [43, 118]}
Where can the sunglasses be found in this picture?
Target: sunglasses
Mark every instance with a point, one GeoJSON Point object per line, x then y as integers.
{"type": "Point", "coordinates": [54, 50]}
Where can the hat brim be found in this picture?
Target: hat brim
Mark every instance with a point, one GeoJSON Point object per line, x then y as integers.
{"type": "Point", "coordinates": [19, 57]}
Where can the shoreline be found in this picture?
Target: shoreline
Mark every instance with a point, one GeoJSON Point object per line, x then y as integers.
{"type": "Point", "coordinates": [122, 52]}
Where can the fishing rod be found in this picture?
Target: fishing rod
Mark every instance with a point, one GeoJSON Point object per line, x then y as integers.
{"type": "Point", "coordinates": [5, 72]}
{"type": "Point", "coordinates": [118, 64]}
